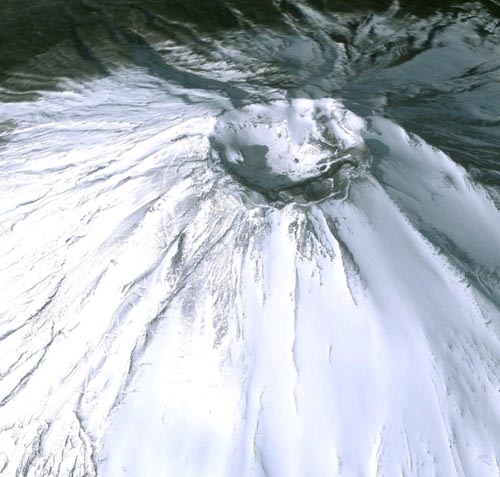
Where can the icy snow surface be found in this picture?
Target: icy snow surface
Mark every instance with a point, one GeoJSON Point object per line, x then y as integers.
{"type": "Point", "coordinates": [172, 307]}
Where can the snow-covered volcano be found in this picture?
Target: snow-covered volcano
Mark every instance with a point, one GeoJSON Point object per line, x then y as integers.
{"type": "Point", "coordinates": [223, 277]}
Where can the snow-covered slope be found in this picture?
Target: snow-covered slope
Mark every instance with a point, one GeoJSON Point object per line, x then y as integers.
{"type": "Point", "coordinates": [162, 317]}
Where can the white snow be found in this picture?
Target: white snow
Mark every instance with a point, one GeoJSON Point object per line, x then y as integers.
{"type": "Point", "coordinates": [157, 322]}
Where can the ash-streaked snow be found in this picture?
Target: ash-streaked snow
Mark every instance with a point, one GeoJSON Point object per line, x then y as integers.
{"type": "Point", "coordinates": [187, 291]}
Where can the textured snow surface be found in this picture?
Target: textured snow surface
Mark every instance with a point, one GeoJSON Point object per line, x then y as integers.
{"type": "Point", "coordinates": [162, 318]}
